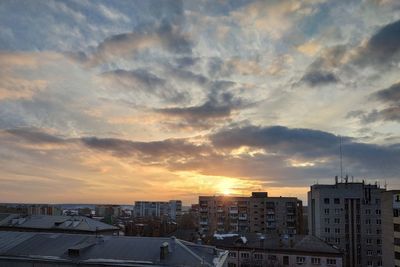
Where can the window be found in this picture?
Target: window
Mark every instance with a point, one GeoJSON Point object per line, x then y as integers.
{"type": "Point", "coordinates": [369, 252]}
{"type": "Point", "coordinates": [367, 211]}
{"type": "Point", "coordinates": [244, 255]}
{"type": "Point", "coordinates": [231, 264]}
{"type": "Point", "coordinates": [369, 231]}
{"type": "Point", "coordinates": [331, 261]}
{"type": "Point", "coordinates": [378, 221]}
{"type": "Point", "coordinates": [378, 241]}
{"type": "Point", "coordinates": [378, 231]}
{"type": "Point", "coordinates": [285, 260]}
{"type": "Point", "coordinates": [378, 212]}
{"type": "Point", "coordinates": [379, 252]}
{"type": "Point", "coordinates": [337, 240]}
{"type": "Point", "coordinates": [369, 241]}
{"type": "Point", "coordinates": [232, 254]}
{"type": "Point", "coordinates": [377, 201]}
{"type": "Point", "coordinates": [327, 230]}
{"type": "Point", "coordinates": [396, 227]}
{"type": "Point", "coordinates": [326, 200]}
{"type": "Point", "coordinates": [300, 260]}
{"type": "Point", "coordinates": [258, 256]}
{"type": "Point", "coordinates": [272, 257]}
{"type": "Point", "coordinates": [326, 211]}
{"type": "Point", "coordinates": [316, 261]}
{"type": "Point", "coordinates": [337, 211]}
{"type": "Point", "coordinates": [337, 220]}
{"type": "Point", "coordinates": [368, 221]}
{"type": "Point", "coordinates": [369, 263]}
{"type": "Point", "coordinates": [326, 220]}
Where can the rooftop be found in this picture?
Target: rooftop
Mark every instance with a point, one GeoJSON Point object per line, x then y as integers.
{"type": "Point", "coordinates": [298, 243]}
{"type": "Point", "coordinates": [46, 222]}
{"type": "Point", "coordinates": [110, 250]}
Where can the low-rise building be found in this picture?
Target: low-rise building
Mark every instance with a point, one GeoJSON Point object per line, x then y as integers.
{"type": "Point", "coordinates": [21, 249]}
{"type": "Point", "coordinates": [55, 224]}
{"type": "Point", "coordinates": [257, 250]}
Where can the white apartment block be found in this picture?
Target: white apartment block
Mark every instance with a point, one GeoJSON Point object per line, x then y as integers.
{"type": "Point", "coordinates": [348, 216]}
{"type": "Point", "coordinates": [171, 209]}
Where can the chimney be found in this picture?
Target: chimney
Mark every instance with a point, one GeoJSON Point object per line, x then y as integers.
{"type": "Point", "coordinates": [164, 251]}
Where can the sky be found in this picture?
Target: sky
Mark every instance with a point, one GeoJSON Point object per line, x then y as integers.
{"type": "Point", "coordinates": [117, 101]}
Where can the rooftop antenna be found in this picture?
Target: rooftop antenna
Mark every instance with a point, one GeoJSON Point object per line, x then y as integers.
{"type": "Point", "coordinates": [341, 160]}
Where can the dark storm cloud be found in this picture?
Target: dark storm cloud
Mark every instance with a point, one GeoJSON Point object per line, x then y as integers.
{"type": "Point", "coordinates": [391, 112]}
{"type": "Point", "coordinates": [157, 150]}
{"type": "Point", "coordinates": [219, 106]}
{"type": "Point", "coordinates": [136, 76]}
{"type": "Point", "coordinates": [35, 136]}
{"type": "Point", "coordinates": [391, 94]}
{"type": "Point", "coordinates": [164, 34]}
{"type": "Point", "coordinates": [318, 78]}
{"type": "Point", "coordinates": [307, 144]}
{"type": "Point", "coordinates": [146, 82]}
{"type": "Point", "coordinates": [311, 143]}
{"type": "Point", "coordinates": [383, 47]}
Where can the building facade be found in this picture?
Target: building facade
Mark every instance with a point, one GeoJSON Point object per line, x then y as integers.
{"type": "Point", "coordinates": [258, 213]}
{"type": "Point", "coordinates": [348, 216]}
{"type": "Point", "coordinates": [391, 228]}
{"type": "Point", "coordinates": [171, 209]}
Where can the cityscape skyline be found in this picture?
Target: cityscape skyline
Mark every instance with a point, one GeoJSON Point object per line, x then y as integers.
{"type": "Point", "coordinates": [117, 101]}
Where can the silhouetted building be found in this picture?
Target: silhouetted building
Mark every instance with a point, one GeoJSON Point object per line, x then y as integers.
{"type": "Point", "coordinates": [348, 215]}
{"type": "Point", "coordinates": [258, 214]}
{"type": "Point", "coordinates": [391, 228]}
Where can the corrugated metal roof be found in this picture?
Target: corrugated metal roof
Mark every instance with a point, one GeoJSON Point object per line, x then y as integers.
{"type": "Point", "coordinates": [105, 248]}
{"type": "Point", "coordinates": [73, 223]}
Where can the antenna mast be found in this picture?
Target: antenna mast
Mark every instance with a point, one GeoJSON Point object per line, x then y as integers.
{"type": "Point", "coordinates": [341, 163]}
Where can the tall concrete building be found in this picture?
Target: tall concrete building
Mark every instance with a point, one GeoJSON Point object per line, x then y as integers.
{"type": "Point", "coordinates": [258, 213]}
{"type": "Point", "coordinates": [348, 216]}
{"type": "Point", "coordinates": [171, 209]}
{"type": "Point", "coordinates": [391, 228]}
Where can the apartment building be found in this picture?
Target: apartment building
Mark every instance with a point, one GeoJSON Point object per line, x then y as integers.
{"type": "Point", "coordinates": [257, 213]}
{"type": "Point", "coordinates": [258, 250]}
{"type": "Point", "coordinates": [171, 209]}
{"type": "Point", "coordinates": [348, 216]}
{"type": "Point", "coordinates": [391, 228]}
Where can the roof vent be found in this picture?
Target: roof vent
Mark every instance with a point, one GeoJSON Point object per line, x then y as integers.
{"type": "Point", "coordinates": [164, 251]}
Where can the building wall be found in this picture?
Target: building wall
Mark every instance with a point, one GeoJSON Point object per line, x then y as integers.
{"type": "Point", "coordinates": [348, 215]}
{"type": "Point", "coordinates": [258, 213]}
{"type": "Point", "coordinates": [172, 209]}
{"type": "Point", "coordinates": [391, 232]}
{"type": "Point", "coordinates": [246, 258]}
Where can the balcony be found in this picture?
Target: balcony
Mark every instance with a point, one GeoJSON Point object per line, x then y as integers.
{"type": "Point", "coordinates": [243, 217]}
{"type": "Point", "coordinates": [270, 211]}
{"type": "Point", "coordinates": [203, 222]}
{"type": "Point", "coordinates": [220, 210]}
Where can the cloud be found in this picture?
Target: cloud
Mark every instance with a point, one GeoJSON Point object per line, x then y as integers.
{"type": "Point", "coordinates": [164, 34]}
{"type": "Point", "coordinates": [318, 78]}
{"type": "Point", "coordinates": [390, 97]}
{"type": "Point", "coordinates": [34, 135]}
{"type": "Point", "coordinates": [391, 94]}
{"type": "Point", "coordinates": [218, 108]}
{"type": "Point", "coordinates": [383, 48]}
